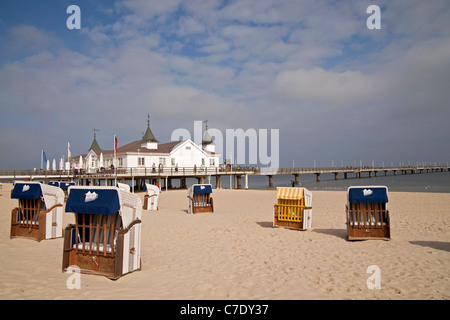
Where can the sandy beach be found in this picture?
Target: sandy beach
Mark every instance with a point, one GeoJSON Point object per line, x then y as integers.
{"type": "Point", "coordinates": [235, 253]}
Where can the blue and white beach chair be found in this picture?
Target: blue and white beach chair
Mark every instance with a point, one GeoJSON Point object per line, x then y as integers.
{"type": "Point", "coordinates": [199, 198]}
{"type": "Point", "coordinates": [106, 237]}
{"type": "Point", "coordinates": [39, 214]}
{"type": "Point", "coordinates": [367, 213]}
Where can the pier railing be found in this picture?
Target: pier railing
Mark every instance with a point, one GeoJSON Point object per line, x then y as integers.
{"type": "Point", "coordinates": [119, 172]}
{"type": "Point", "coordinates": [10, 175]}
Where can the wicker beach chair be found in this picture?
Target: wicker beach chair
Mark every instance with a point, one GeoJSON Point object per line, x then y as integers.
{"type": "Point", "coordinates": [151, 197]}
{"type": "Point", "coordinates": [367, 213]}
{"type": "Point", "coordinates": [39, 213]}
{"type": "Point", "coordinates": [105, 239]}
{"type": "Point", "coordinates": [199, 198]}
{"type": "Point", "coordinates": [293, 209]}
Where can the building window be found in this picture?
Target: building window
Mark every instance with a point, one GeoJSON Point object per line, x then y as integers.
{"type": "Point", "coordinates": [172, 161]}
{"type": "Point", "coordinates": [188, 147]}
{"type": "Point", "coordinates": [212, 162]}
{"type": "Point", "coordinates": [141, 161]}
{"type": "Point", "coordinates": [120, 162]}
{"type": "Point", "coordinates": [162, 161]}
{"type": "Point", "coordinates": [203, 161]}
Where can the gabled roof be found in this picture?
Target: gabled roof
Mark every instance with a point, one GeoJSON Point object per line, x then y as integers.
{"type": "Point", "coordinates": [136, 145]}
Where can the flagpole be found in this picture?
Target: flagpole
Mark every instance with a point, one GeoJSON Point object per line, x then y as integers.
{"type": "Point", "coordinates": [115, 161]}
{"type": "Point", "coordinates": [42, 152]}
{"type": "Point", "coordinates": [69, 154]}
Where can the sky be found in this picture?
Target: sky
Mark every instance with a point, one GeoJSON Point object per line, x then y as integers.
{"type": "Point", "coordinates": [338, 92]}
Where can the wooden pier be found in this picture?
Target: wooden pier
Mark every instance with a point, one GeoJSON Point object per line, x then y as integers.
{"type": "Point", "coordinates": [164, 177]}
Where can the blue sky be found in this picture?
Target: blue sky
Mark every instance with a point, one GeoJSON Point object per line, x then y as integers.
{"type": "Point", "coordinates": [337, 91]}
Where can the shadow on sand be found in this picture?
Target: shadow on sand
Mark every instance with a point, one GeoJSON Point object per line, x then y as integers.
{"type": "Point", "coordinates": [265, 224]}
{"type": "Point", "coordinates": [439, 245]}
{"type": "Point", "coordinates": [340, 233]}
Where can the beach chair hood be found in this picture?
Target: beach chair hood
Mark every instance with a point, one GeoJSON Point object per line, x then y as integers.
{"type": "Point", "coordinates": [33, 190]}
{"type": "Point", "coordinates": [151, 189]}
{"type": "Point", "coordinates": [290, 193]}
{"type": "Point", "coordinates": [199, 188]}
{"type": "Point", "coordinates": [26, 191]}
{"type": "Point", "coordinates": [368, 194]}
{"type": "Point", "coordinates": [66, 185]}
{"type": "Point", "coordinates": [106, 201]}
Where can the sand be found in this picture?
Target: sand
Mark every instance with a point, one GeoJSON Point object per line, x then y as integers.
{"type": "Point", "coordinates": [235, 253]}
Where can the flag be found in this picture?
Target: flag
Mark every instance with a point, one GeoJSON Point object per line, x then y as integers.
{"type": "Point", "coordinates": [115, 144]}
{"type": "Point", "coordinates": [43, 159]}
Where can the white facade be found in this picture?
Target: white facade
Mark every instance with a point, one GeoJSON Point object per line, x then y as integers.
{"type": "Point", "coordinates": [136, 155]}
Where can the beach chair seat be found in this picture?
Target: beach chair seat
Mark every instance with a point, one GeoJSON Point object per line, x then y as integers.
{"type": "Point", "coordinates": [367, 213]}
{"type": "Point", "coordinates": [151, 197]}
{"type": "Point", "coordinates": [105, 239]}
{"type": "Point", "coordinates": [293, 210]}
{"type": "Point", "coordinates": [39, 212]}
{"type": "Point", "coordinates": [200, 199]}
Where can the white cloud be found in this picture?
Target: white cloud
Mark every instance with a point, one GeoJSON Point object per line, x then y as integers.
{"type": "Point", "coordinates": [335, 88]}
{"type": "Point", "coordinates": [188, 25]}
{"type": "Point", "coordinates": [26, 37]}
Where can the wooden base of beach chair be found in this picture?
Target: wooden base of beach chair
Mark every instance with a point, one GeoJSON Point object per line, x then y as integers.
{"type": "Point", "coordinates": [203, 209]}
{"type": "Point", "coordinates": [368, 234]}
{"type": "Point", "coordinates": [94, 264]}
{"type": "Point", "coordinates": [24, 229]}
{"type": "Point", "coordinates": [92, 257]}
{"type": "Point", "coordinates": [368, 222]}
{"type": "Point", "coordinates": [290, 223]}
{"type": "Point", "coordinates": [31, 223]}
{"type": "Point", "coordinates": [201, 203]}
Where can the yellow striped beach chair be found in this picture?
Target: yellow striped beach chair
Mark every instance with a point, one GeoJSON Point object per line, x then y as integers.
{"type": "Point", "coordinates": [293, 210]}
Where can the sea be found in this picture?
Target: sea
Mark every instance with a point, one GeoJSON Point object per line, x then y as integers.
{"type": "Point", "coordinates": [435, 182]}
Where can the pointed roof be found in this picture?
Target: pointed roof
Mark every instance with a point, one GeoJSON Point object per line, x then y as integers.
{"type": "Point", "coordinates": [207, 139]}
{"type": "Point", "coordinates": [148, 136]}
{"type": "Point", "coordinates": [94, 146]}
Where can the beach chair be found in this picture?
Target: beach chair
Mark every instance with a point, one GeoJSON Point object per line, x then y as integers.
{"type": "Point", "coordinates": [199, 198]}
{"type": "Point", "coordinates": [124, 187]}
{"type": "Point", "coordinates": [63, 185]}
{"type": "Point", "coordinates": [367, 213]}
{"type": "Point", "coordinates": [106, 237]}
{"type": "Point", "coordinates": [39, 215]}
{"type": "Point", "coordinates": [151, 198]}
{"type": "Point", "coordinates": [293, 209]}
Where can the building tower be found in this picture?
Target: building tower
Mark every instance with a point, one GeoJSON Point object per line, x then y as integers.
{"type": "Point", "coordinates": [207, 142]}
{"type": "Point", "coordinates": [148, 140]}
{"type": "Point", "coordinates": [94, 145]}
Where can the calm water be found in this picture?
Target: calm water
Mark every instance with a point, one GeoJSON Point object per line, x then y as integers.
{"type": "Point", "coordinates": [426, 182]}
